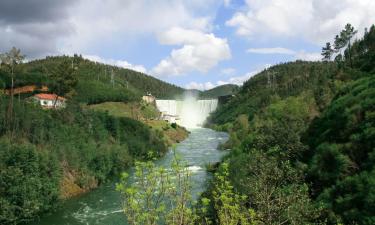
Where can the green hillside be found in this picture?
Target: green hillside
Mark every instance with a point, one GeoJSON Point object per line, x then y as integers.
{"type": "Point", "coordinates": [302, 138]}
{"type": "Point", "coordinates": [96, 82]}
{"type": "Point", "coordinates": [49, 155]}
{"type": "Point", "coordinates": [222, 90]}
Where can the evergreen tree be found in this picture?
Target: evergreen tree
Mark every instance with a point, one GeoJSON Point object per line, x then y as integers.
{"type": "Point", "coordinates": [346, 35]}
{"type": "Point", "coordinates": [63, 79]}
{"type": "Point", "coordinates": [327, 52]}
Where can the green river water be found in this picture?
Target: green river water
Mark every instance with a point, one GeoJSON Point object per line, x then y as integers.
{"type": "Point", "coordinates": [102, 206]}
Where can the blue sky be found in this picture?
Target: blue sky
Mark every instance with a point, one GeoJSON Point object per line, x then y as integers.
{"type": "Point", "coordinates": [191, 43]}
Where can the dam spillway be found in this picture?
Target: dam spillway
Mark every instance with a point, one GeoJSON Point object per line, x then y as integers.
{"type": "Point", "coordinates": [190, 112]}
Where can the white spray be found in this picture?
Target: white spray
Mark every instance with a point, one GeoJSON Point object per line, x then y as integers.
{"type": "Point", "coordinates": [191, 111]}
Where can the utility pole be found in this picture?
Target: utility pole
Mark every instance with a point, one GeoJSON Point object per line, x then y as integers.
{"type": "Point", "coordinates": [112, 78]}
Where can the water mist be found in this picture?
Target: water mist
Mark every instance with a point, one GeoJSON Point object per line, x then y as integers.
{"type": "Point", "coordinates": [191, 111]}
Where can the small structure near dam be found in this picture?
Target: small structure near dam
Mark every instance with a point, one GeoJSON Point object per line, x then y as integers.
{"type": "Point", "coordinates": [189, 112]}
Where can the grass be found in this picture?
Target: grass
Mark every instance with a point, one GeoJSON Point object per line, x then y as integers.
{"type": "Point", "coordinates": [145, 113]}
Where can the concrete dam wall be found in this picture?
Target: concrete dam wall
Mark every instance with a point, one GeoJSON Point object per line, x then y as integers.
{"type": "Point", "coordinates": [189, 112]}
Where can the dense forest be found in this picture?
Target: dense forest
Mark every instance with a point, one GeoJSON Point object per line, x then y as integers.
{"type": "Point", "coordinates": [302, 138]}
{"type": "Point", "coordinates": [48, 155]}
{"type": "Point", "coordinates": [97, 82]}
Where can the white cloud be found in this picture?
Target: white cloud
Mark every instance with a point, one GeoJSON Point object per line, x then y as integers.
{"type": "Point", "coordinates": [314, 20]}
{"type": "Point", "coordinates": [98, 23]}
{"type": "Point", "coordinates": [200, 51]}
{"type": "Point", "coordinates": [119, 63]}
{"type": "Point", "coordinates": [308, 56]}
{"type": "Point", "coordinates": [301, 55]}
{"type": "Point", "coordinates": [237, 80]}
{"type": "Point", "coordinates": [277, 50]}
{"type": "Point", "coordinates": [200, 86]}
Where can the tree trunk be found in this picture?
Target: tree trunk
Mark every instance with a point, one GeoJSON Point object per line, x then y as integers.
{"type": "Point", "coordinates": [10, 106]}
{"type": "Point", "coordinates": [350, 55]}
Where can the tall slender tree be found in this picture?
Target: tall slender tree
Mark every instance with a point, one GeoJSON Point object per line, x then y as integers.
{"type": "Point", "coordinates": [338, 45]}
{"type": "Point", "coordinates": [12, 59]}
{"type": "Point", "coordinates": [346, 35]}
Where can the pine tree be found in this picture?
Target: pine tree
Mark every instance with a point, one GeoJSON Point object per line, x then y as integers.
{"type": "Point", "coordinates": [327, 52]}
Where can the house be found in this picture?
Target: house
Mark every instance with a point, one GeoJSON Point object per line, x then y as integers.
{"type": "Point", "coordinates": [149, 99]}
{"type": "Point", "coordinates": [49, 101]}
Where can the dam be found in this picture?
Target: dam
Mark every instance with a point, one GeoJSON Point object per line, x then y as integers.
{"type": "Point", "coordinates": [190, 112]}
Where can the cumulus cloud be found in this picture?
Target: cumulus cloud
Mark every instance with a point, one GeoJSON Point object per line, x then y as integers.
{"type": "Point", "coordinates": [42, 27]}
{"type": "Point", "coordinates": [315, 20]}
{"type": "Point", "coordinates": [34, 26]}
{"type": "Point", "coordinates": [114, 62]}
{"type": "Point", "coordinates": [200, 51]}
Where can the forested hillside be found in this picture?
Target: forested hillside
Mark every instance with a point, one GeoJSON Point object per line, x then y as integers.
{"type": "Point", "coordinates": [302, 138]}
{"type": "Point", "coordinates": [48, 155]}
{"type": "Point", "coordinates": [222, 90]}
{"type": "Point", "coordinates": [97, 82]}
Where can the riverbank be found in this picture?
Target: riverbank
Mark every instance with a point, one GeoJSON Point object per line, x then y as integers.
{"type": "Point", "coordinates": [102, 206]}
{"type": "Point", "coordinates": [142, 112]}
{"type": "Point", "coordinates": [145, 113]}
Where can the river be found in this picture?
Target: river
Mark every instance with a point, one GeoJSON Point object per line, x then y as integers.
{"type": "Point", "coordinates": [102, 206]}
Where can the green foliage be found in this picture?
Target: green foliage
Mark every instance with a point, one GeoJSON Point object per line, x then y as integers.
{"type": "Point", "coordinates": [106, 77]}
{"type": "Point", "coordinates": [94, 92]}
{"type": "Point", "coordinates": [156, 195]}
{"type": "Point", "coordinates": [341, 159]}
{"type": "Point", "coordinates": [362, 52]}
{"type": "Point", "coordinates": [222, 90]}
{"type": "Point", "coordinates": [284, 80]}
{"type": "Point", "coordinates": [327, 52]}
{"type": "Point", "coordinates": [264, 161]}
{"type": "Point", "coordinates": [93, 146]}
{"type": "Point", "coordinates": [305, 154]}
{"type": "Point", "coordinates": [229, 206]}
{"type": "Point", "coordinates": [29, 181]}
{"type": "Point", "coordinates": [63, 78]}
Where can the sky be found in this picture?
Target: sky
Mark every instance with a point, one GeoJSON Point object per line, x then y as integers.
{"type": "Point", "coordinates": [196, 44]}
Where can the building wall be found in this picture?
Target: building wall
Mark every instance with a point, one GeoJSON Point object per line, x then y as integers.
{"type": "Point", "coordinates": [149, 99]}
{"type": "Point", "coordinates": [50, 103]}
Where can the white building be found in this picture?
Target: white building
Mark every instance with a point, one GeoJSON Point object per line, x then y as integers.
{"type": "Point", "coordinates": [170, 118]}
{"type": "Point", "coordinates": [149, 99]}
{"type": "Point", "coordinates": [50, 101]}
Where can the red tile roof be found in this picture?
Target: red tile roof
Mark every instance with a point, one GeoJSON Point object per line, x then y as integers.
{"type": "Point", "coordinates": [49, 97]}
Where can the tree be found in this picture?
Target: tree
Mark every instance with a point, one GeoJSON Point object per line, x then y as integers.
{"type": "Point", "coordinates": [229, 205]}
{"type": "Point", "coordinates": [338, 45]}
{"type": "Point", "coordinates": [12, 59]}
{"type": "Point", "coordinates": [346, 36]}
{"type": "Point", "coordinates": [343, 40]}
{"type": "Point", "coordinates": [327, 52]}
{"type": "Point", "coordinates": [156, 195]}
{"type": "Point", "coordinates": [63, 79]}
